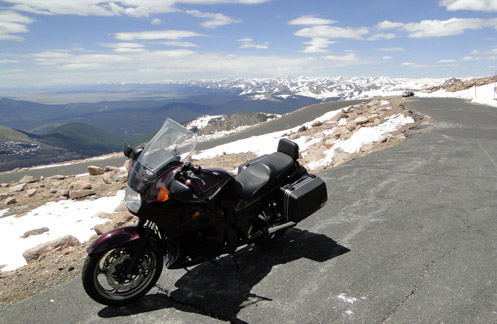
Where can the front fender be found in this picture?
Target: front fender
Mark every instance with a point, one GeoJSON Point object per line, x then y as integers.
{"type": "Point", "coordinates": [127, 235]}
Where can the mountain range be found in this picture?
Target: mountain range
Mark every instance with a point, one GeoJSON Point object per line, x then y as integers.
{"type": "Point", "coordinates": [48, 132]}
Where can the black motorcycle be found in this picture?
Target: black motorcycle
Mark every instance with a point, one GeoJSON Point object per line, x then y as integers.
{"type": "Point", "coordinates": [188, 215]}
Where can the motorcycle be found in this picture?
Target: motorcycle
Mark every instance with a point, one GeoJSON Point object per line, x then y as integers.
{"type": "Point", "coordinates": [188, 215]}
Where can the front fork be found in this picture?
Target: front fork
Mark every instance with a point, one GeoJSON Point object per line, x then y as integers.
{"type": "Point", "coordinates": [147, 240]}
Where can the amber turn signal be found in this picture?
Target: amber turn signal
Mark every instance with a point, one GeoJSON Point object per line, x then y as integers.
{"type": "Point", "coordinates": [163, 194]}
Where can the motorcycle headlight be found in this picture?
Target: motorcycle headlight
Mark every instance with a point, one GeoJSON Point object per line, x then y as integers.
{"type": "Point", "coordinates": [132, 200]}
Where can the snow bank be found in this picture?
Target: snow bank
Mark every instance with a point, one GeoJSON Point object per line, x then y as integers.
{"type": "Point", "coordinates": [65, 217]}
{"type": "Point", "coordinates": [484, 94]}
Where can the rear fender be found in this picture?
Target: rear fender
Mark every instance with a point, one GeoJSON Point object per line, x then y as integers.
{"type": "Point", "coordinates": [121, 236]}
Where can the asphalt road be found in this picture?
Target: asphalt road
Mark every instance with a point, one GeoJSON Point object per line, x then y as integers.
{"type": "Point", "coordinates": [407, 236]}
{"type": "Point", "coordinates": [291, 120]}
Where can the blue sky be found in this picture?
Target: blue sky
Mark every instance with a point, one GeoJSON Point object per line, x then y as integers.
{"type": "Point", "coordinates": [50, 42]}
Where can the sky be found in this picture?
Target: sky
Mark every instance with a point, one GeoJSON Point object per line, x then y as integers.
{"type": "Point", "coordinates": [60, 42]}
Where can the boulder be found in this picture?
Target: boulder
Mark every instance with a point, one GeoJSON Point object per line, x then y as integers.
{"type": "Point", "coordinates": [56, 177]}
{"type": "Point", "coordinates": [95, 170]}
{"type": "Point", "coordinates": [122, 218]}
{"type": "Point", "coordinates": [351, 125]}
{"type": "Point", "coordinates": [37, 231]}
{"type": "Point", "coordinates": [75, 194]}
{"type": "Point", "coordinates": [28, 179]}
{"type": "Point", "coordinates": [339, 116]}
{"type": "Point", "coordinates": [109, 177]}
{"type": "Point", "coordinates": [78, 185]}
{"type": "Point", "coordinates": [103, 228]}
{"type": "Point", "coordinates": [361, 120]}
{"type": "Point", "coordinates": [18, 188]}
{"type": "Point", "coordinates": [36, 252]}
{"type": "Point", "coordinates": [10, 201]}
{"type": "Point", "coordinates": [329, 143]}
{"type": "Point", "coordinates": [337, 132]}
{"type": "Point", "coordinates": [111, 169]}
{"type": "Point", "coordinates": [63, 193]}
{"type": "Point", "coordinates": [31, 192]}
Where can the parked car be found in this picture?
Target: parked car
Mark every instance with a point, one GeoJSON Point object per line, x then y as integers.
{"type": "Point", "coordinates": [407, 94]}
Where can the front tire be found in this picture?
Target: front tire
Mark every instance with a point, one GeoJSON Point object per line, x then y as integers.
{"type": "Point", "coordinates": [105, 279]}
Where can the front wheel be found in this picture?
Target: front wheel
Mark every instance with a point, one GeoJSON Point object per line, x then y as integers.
{"type": "Point", "coordinates": [105, 277]}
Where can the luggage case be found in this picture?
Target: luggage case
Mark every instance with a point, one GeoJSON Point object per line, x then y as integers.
{"type": "Point", "coordinates": [303, 197]}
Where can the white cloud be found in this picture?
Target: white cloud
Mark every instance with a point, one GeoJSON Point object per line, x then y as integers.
{"type": "Point", "coordinates": [322, 35]}
{"type": "Point", "coordinates": [179, 44]}
{"type": "Point", "coordinates": [386, 24]}
{"type": "Point", "coordinates": [249, 43]}
{"type": "Point", "coordinates": [311, 20]}
{"type": "Point", "coordinates": [447, 61]}
{"type": "Point", "coordinates": [213, 19]}
{"type": "Point", "coordinates": [477, 5]}
{"type": "Point", "coordinates": [471, 58]}
{"type": "Point", "coordinates": [11, 23]}
{"type": "Point", "coordinates": [134, 8]}
{"type": "Point", "coordinates": [317, 45]}
{"type": "Point", "coordinates": [392, 49]}
{"type": "Point", "coordinates": [122, 45]}
{"type": "Point", "coordinates": [7, 61]}
{"type": "Point", "coordinates": [413, 65]}
{"type": "Point", "coordinates": [55, 67]}
{"type": "Point", "coordinates": [438, 28]}
{"type": "Point", "coordinates": [156, 21]}
{"type": "Point", "coordinates": [387, 57]}
{"type": "Point", "coordinates": [156, 35]}
{"type": "Point", "coordinates": [332, 32]}
{"type": "Point", "coordinates": [349, 58]}
{"type": "Point", "coordinates": [381, 36]}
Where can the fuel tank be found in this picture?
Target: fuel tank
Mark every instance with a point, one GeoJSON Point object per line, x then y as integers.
{"type": "Point", "coordinates": [205, 186]}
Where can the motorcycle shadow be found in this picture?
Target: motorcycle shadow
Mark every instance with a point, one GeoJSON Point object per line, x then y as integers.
{"type": "Point", "coordinates": [220, 291]}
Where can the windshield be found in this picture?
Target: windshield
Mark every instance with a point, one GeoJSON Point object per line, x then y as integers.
{"type": "Point", "coordinates": [173, 142]}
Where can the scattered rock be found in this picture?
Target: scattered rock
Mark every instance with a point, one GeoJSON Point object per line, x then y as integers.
{"type": "Point", "coordinates": [109, 177]}
{"type": "Point", "coordinates": [75, 194]}
{"type": "Point", "coordinates": [111, 169]}
{"type": "Point", "coordinates": [31, 192]}
{"type": "Point", "coordinates": [103, 228]}
{"type": "Point", "coordinates": [35, 232]}
{"type": "Point", "coordinates": [10, 201]}
{"type": "Point", "coordinates": [95, 170]}
{"type": "Point", "coordinates": [122, 218]}
{"type": "Point", "coordinates": [18, 188]}
{"type": "Point", "coordinates": [78, 185]}
{"type": "Point", "coordinates": [361, 120]}
{"type": "Point", "coordinates": [351, 125]}
{"type": "Point", "coordinates": [36, 252]}
{"type": "Point", "coordinates": [28, 179]}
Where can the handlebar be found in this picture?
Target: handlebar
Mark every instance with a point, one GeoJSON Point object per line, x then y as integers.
{"type": "Point", "coordinates": [195, 169]}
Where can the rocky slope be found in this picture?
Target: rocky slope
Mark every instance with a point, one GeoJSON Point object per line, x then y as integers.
{"type": "Point", "coordinates": [54, 262]}
{"type": "Point", "coordinates": [454, 85]}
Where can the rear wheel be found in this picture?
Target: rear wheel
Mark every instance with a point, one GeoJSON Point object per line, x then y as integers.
{"type": "Point", "coordinates": [106, 281]}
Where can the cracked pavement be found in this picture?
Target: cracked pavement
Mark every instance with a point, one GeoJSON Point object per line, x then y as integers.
{"type": "Point", "coordinates": [407, 236]}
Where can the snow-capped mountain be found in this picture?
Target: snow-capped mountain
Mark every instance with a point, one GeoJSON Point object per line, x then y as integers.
{"type": "Point", "coordinates": [319, 88]}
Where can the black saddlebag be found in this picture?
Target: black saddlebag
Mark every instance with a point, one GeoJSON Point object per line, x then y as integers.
{"type": "Point", "coordinates": [303, 197]}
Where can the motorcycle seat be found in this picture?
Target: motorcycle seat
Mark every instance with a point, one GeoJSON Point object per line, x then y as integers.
{"type": "Point", "coordinates": [262, 174]}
